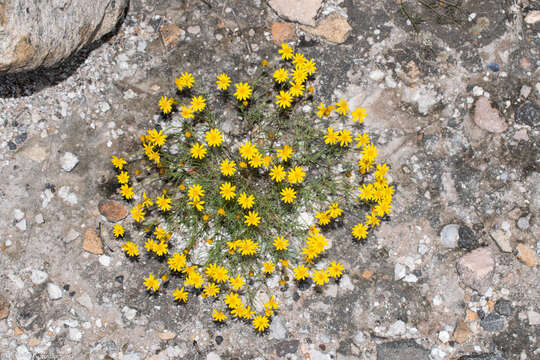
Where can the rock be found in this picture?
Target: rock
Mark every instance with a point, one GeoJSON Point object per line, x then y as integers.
{"type": "Point", "coordinates": [493, 66]}
{"type": "Point", "coordinates": [462, 333]}
{"type": "Point", "coordinates": [36, 153]}
{"type": "Point", "coordinates": [477, 91]}
{"type": "Point", "coordinates": [504, 307]}
{"type": "Point", "coordinates": [424, 97]}
{"type": "Point", "coordinates": [67, 196]}
{"type": "Point", "coordinates": [39, 219]}
{"type": "Point", "coordinates": [283, 32]}
{"type": "Point", "coordinates": [527, 255]}
{"type": "Point", "coordinates": [68, 161]}
{"type": "Point", "coordinates": [86, 301]}
{"type": "Point", "coordinates": [502, 239]}
{"type": "Point", "coordinates": [287, 347]}
{"type": "Point", "coordinates": [317, 355]}
{"type": "Point", "coordinates": [438, 354]}
{"type": "Point", "coordinates": [74, 334]}
{"type": "Point", "coordinates": [71, 235]}
{"type": "Point", "coordinates": [492, 322]}
{"type": "Point", "coordinates": [410, 278]}
{"type": "Point", "coordinates": [345, 283]}
{"type": "Point", "coordinates": [484, 356]}
{"type": "Point", "coordinates": [277, 329]}
{"type": "Point", "coordinates": [476, 269]}
{"type": "Point", "coordinates": [22, 353]}
{"type": "Point", "coordinates": [105, 260]}
{"type": "Point", "coordinates": [390, 82]}
{"type": "Point", "coordinates": [359, 338]}
{"type": "Point", "coordinates": [38, 277]}
{"type": "Point", "coordinates": [54, 291]}
{"type": "Point", "coordinates": [167, 335]}
{"type": "Point", "coordinates": [470, 315]}
{"type": "Point", "coordinates": [219, 339]}
{"type": "Point", "coordinates": [194, 29]}
{"type": "Point", "coordinates": [114, 211]}
{"type": "Point", "coordinates": [444, 336]}
{"type": "Point", "coordinates": [533, 17]}
{"type": "Point", "coordinates": [18, 214]}
{"type": "Point", "coordinates": [213, 356]}
{"type": "Point", "coordinates": [450, 236]}
{"type": "Point", "coordinates": [132, 356]}
{"type": "Point", "coordinates": [402, 350]}
{"type": "Point", "coordinates": [376, 75]}
{"type": "Point", "coordinates": [523, 223]}
{"type": "Point", "coordinates": [534, 317]}
{"type": "Point", "coordinates": [467, 238]}
{"type": "Point", "coordinates": [4, 308]}
{"type": "Point", "coordinates": [399, 271]}
{"type": "Point", "coordinates": [525, 91]}
{"type": "Point", "coordinates": [21, 225]}
{"type": "Point", "coordinates": [301, 11]}
{"type": "Point", "coordinates": [528, 113]}
{"type": "Point", "coordinates": [129, 313]}
{"type": "Point", "coordinates": [43, 33]}
{"type": "Point", "coordinates": [92, 242]}
{"type": "Point", "coordinates": [488, 118]}
{"type": "Point", "coordinates": [398, 328]}
{"type": "Point", "coordinates": [333, 28]}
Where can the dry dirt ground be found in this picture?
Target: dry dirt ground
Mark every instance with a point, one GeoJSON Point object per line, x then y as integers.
{"type": "Point", "coordinates": [453, 94]}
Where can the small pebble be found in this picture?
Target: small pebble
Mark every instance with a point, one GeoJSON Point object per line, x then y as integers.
{"type": "Point", "coordinates": [18, 214]}
{"type": "Point", "coordinates": [54, 291]}
{"type": "Point", "coordinates": [68, 161]}
{"type": "Point", "coordinates": [38, 277]}
{"type": "Point", "coordinates": [39, 219]}
{"type": "Point", "coordinates": [493, 66]}
{"type": "Point", "coordinates": [450, 236]}
{"type": "Point", "coordinates": [523, 223]}
{"type": "Point", "coordinates": [219, 339]}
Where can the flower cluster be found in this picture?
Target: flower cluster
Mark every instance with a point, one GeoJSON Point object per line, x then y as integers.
{"type": "Point", "coordinates": [219, 213]}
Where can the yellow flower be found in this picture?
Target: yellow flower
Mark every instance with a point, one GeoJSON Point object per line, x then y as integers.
{"type": "Point", "coordinates": [151, 283]}
{"type": "Point", "coordinates": [296, 175]}
{"type": "Point", "coordinates": [335, 270]}
{"type": "Point", "coordinates": [242, 164]}
{"type": "Point", "coordinates": [288, 194]}
{"type": "Point", "coordinates": [370, 152]}
{"type": "Point", "coordinates": [147, 202]}
{"type": "Point", "coordinates": [284, 153]}
{"type": "Point", "coordinates": [228, 168]}
{"type": "Point", "coordinates": [219, 316]}
{"type": "Point", "coordinates": [198, 151]}
{"type": "Point", "coordinates": [320, 277]}
{"type": "Point", "coordinates": [237, 283]}
{"type": "Point", "coordinates": [365, 165]}
{"type": "Point", "coordinates": [310, 66]}
{"type": "Point", "coordinates": [299, 75]}
{"type": "Point", "coordinates": [371, 219]}
{"type": "Point", "coordinates": [322, 110]}
{"type": "Point", "coordinates": [361, 140]}
{"type": "Point", "coordinates": [164, 203]}
{"type": "Point", "coordinates": [299, 59]}
{"type": "Point", "coordinates": [252, 219]}
{"type": "Point", "coordinates": [198, 103]}
{"type": "Point", "coordinates": [137, 213]}
{"type": "Point", "coordinates": [260, 323]}
{"type": "Point", "coordinates": [130, 249]}
{"type": "Point", "coordinates": [359, 114]}
{"type": "Point", "coordinates": [180, 295]}
{"type": "Point", "coordinates": [359, 231]}
{"type": "Point", "coordinates": [301, 272]}
{"type": "Point", "coordinates": [232, 300]}
{"type": "Point", "coordinates": [165, 104]}
{"type": "Point", "coordinates": [177, 262]}
{"type": "Point", "coordinates": [284, 99]}
{"type": "Point", "coordinates": [248, 150]}
{"type": "Point", "coordinates": [264, 63]}
{"type": "Point", "coordinates": [123, 177]}
{"type": "Point", "coordinates": [150, 245]}
{"type": "Point", "coordinates": [297, 89]}
{"type": "Point", "coordinates": [342, 107]}
{"type": "Point", "coordinates": [118, 162]}
{"type": "Point", "coordinates": [211, 289]}
{"type": "Point", "coordinates": [272, 304]}
{"type": "Point", "coordinates": [285, 51]}
{"type": "Point", "coordinates": [223, 81]}
{"type": "Point", "coordinates": [281, 75]}
{"type": "Point", "coordinates": [161, 249]}
{"type": "Point", "coordinates": [280, 243]}
{"type": "Point", "coordinates": [248, 247]}
{"type": "Point", "coordinates": [227, 191]}
{"type": "Point", "coordinates": [344, 137]}
{"type": "Point", "coordinates": [118, 230]}
{"type": "Point", "coordinates": [323, 217]}
{"type": "Point", "coordinates": [187, 112]}
{"type": "Point", "coordinates": [256, 161]}
{"type": "Point", "coordinates": [221, 211]}
{"type": "Point", "coordinates": [245, 201]}
{"type": "Point", "coordinates": [267, 160]}
{"type": "Point", "coordinates": [334, 211]}
{"type": "Point", "coordinates": [214, 137]}
{"type": "Point", "coordinates": [243, 91]}
{"type": "Point", "coordinates": [268, 267]}
{"type": "Point", "coordinates": [185, 80]}
{"type": "Point", "coordinates": [197, 204]}
{"type": "Point", "coordinates": [381, 171]}
{"type": "Point", "coordinates": [195, 192]}
{"type": "Point", "coordinates": [160, 233]}
{"type": "Point", "coordinates": [194, 279]}
{"type": "Point", "coordinates": [127, 191]}
{"type": "Point", "coordinates": [331, 137]}
{"type": "Point", "coordinates": [277, 173]}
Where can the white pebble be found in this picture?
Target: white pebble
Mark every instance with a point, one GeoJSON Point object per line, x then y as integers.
{"type": "Point", "coordinates": [68, 161]}
{"type": "Point", "coordinates": [18, 214]}
{"type": "Point", "coordinates": [74, 334]}
{"type": "Point", "coordinates": [54, 291]}
{"type": "Point", "coordinates": [105, 260]}
{"type": "Point", "coordinates": [38, 277]}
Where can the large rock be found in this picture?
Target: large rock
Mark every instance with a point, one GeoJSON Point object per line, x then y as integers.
{"type": "Point", "coordinates": [333, 28]}
{"type": "Point", "coordinates": [301, 11]}
{"type": "Point", "coordinates": [476, 269]}
{"type": "Point", "coordinates": [487, 117]}
{"type": "Point", "coordinates": [42, 33]}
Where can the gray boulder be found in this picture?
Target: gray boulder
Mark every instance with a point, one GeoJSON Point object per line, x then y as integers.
{"type": "Point", "coordinates": [43, 33]}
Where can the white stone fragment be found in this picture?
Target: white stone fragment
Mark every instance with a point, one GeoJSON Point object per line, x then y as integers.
{"type": "Point", "coordinates": [18, 214]}
{"type": "Point", "coordinates": [54, 291]}
{"type": "Point", "coordinates": [38, 277]}
{"type": "Point", "coordinates": [68, 161]}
